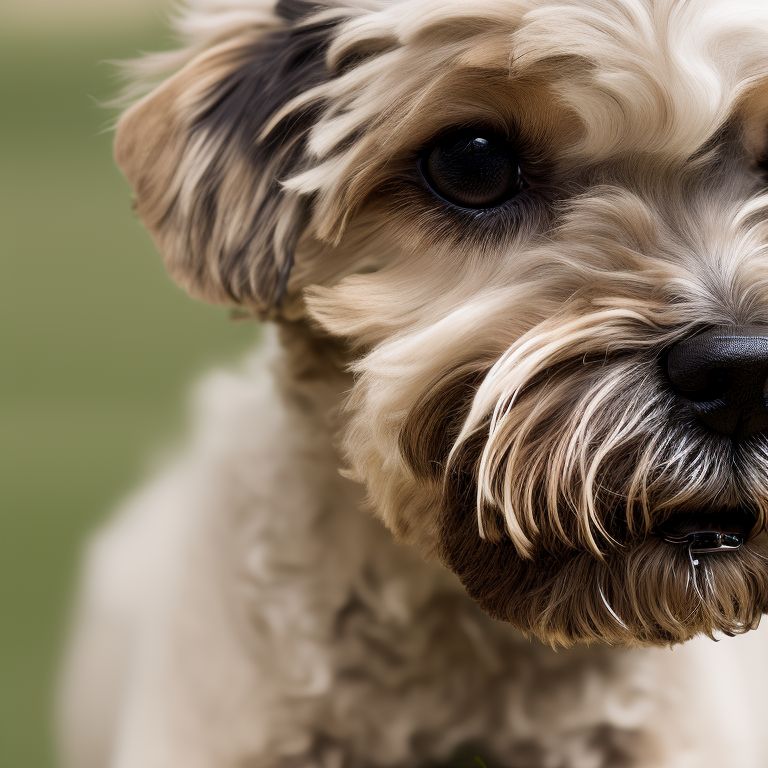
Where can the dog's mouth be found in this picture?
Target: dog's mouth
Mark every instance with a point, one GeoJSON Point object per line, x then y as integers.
{"type": "Point", "coordinates": [721, 530]}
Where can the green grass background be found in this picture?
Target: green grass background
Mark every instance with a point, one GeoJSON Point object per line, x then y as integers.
{"type": "Point", "coordinates": [98, 347]}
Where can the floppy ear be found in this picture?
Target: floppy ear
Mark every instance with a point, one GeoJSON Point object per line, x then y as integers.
{"type": "Point", "coordinates": [207, 179]}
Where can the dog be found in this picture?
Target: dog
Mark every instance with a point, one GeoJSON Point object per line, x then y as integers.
{"type": "Point", "coordinates": [497, 475]}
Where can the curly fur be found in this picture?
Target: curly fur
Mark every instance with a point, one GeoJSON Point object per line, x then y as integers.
{"type": "Point", "coordinates": [488, 381]}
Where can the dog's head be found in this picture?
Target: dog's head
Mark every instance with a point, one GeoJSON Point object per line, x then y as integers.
{"type": "Point", "coordinates": [541, 228]}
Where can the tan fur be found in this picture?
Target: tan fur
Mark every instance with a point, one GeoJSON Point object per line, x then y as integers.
{"type": "Point", "coordinates": [489, 382]}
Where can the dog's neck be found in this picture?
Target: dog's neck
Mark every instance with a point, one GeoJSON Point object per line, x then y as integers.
{"type": "Point", "coordinates": [312, 382]}
{"type": "Point", "coordinates": [312, 363]}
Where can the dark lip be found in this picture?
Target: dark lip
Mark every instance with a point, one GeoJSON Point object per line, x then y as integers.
{"type": "Point", "coordinates": [739, 521]}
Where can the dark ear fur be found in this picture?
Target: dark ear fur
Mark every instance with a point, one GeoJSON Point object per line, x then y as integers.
{"type": "Point", "coordinates": [206, 180]}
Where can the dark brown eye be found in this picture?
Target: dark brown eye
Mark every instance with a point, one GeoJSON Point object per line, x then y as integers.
{"type": "Point", "coordinates": [472, 169]}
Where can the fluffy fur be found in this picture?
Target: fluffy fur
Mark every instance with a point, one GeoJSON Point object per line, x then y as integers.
{"type": "Point", "coordinates": [489, 381]}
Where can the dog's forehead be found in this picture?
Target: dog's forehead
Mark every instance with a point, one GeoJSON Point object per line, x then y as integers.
{"type": "Point", "coordinates": [587, 80]}
{"type": "Point", "coordinates": [659, 76]}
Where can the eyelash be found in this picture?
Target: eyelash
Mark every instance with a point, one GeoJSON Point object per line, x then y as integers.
{"type": "Point", "coordinates": [537, 173]}
{"type": "Point", "coordinates": [511, 218]}
{"type": "Point", "coordinates": [407, 189]}
{"type": "Point", "coordinates": [473, 212]}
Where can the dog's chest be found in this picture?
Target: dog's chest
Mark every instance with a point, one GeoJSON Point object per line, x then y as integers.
{"type": "Point", "coordinates": [382, 660]}
{"type": "Point", "coordinates": [450, 682]}
{"type": "Point", "coordinates": [369, 657]}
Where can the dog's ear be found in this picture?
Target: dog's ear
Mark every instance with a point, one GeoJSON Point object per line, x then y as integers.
{"type": "Point", "coordinates": [207, 150]}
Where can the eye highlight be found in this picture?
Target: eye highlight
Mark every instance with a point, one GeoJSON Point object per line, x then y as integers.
{"type": "Point", "coordinates": [472, 168]}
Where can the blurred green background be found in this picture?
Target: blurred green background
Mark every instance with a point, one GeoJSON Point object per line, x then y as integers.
{"type": "Point", "coordinates": [98, 347]}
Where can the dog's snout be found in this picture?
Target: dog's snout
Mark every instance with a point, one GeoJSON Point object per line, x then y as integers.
{"type": "Point", "coordinates": [722, 375]}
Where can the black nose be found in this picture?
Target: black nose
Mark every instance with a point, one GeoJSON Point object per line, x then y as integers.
{"type": "Point", "coordinates": [722, 374]}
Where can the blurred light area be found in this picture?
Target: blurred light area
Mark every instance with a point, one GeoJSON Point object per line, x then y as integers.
{"type": "Point", "coordinates": [34, 14]}
{"type": "Point", "coordinates": [98, 347]}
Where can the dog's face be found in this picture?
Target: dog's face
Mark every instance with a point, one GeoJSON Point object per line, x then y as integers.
{"type": "Point", "coordinates": [515, 213]}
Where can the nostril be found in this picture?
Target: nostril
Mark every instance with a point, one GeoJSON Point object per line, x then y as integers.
{"type": "Point", "coordinates": [712, 384]}
{"type": "Point", "coordinates": [697, 373]}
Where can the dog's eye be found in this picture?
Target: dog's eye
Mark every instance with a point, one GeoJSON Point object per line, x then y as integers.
{"type": "Point", "coordinates": [472, 169]}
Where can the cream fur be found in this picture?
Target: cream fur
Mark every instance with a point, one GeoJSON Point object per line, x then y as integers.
{"type": "Point", "coordinates": [236, 616]}
{"type": "Point", "coordinates": [488, 383]}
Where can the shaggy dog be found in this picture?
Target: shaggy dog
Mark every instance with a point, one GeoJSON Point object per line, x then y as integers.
{"type": "Point", "coordinates": [515, 258]}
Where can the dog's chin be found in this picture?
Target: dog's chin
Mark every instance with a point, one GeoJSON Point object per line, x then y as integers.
{"type": "Point", "coordinates": [646, 591]}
